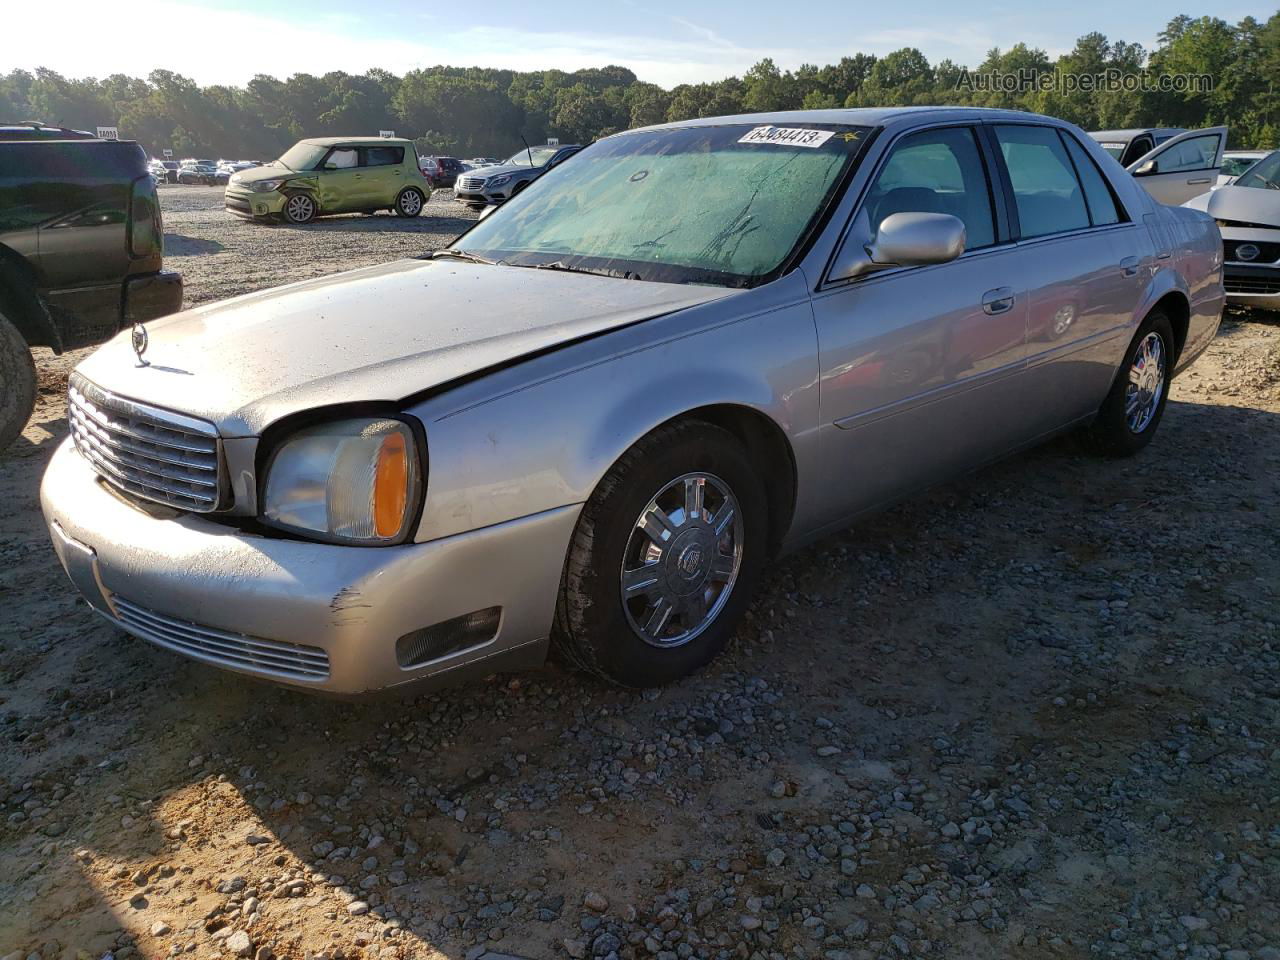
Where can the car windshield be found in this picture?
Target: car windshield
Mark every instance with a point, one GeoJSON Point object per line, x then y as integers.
{"type": "Point", "coordinates": [724, 205]}
{"type": "Point", "coordinates": [1264, 173]}
{"type": "Point", "coordinates": [302, 156]}
{"type": "Point", "coordinates": [540, 157]}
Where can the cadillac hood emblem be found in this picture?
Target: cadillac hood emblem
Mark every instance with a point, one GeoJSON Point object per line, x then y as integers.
{"type": "Point", "coordinates": [140, 340]}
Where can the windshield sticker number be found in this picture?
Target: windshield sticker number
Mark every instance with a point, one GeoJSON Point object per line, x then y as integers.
{"type": "Point", "coordinates": [788, 136]}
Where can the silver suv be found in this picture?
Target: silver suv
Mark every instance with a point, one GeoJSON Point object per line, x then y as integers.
{"type": "Point", "coordinates": [493, 185]}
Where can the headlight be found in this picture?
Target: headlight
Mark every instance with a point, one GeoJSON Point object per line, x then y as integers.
{"type": "Point", "coordinates": [356, 481]}
{"type": "Point", "coordinates": [265, 186]}
{"type": "Point", "coordinates": [499, 180]}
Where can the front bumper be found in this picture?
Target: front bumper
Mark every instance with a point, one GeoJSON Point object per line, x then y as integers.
{"type": "Point", "coordinates": [1252, 286]}
{"type": "Point", "coordinates": [249, 205]}
{"type": "Point", "coordinates": [310, 615]}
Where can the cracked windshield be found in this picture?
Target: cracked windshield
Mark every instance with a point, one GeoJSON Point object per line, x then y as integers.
{"type": "Point", "coordinates": [722, 205]}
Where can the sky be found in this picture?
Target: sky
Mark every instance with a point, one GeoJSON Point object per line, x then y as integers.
{"type": "Point", "coordinates": [229, 41]}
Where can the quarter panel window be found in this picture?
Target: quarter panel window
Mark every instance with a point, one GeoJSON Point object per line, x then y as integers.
{"type": "Point", "coordinates": [383, 156]}
{"type": "Point", "coordinates": [1045, 189]}
{"type": "Point", "coordinates": [936, 171]}
{"type": "Point", "coordinates": [1102, 205]}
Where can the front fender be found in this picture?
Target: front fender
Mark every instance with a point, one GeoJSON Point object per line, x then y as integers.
{"type": "Point", "coordinates": [548, 441]}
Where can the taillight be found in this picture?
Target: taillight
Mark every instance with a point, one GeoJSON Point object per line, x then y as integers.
{"type": "Point", "coordinates": [145, 229]}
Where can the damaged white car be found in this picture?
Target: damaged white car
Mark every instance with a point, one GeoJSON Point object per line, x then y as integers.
{"type": "Point", "coordinates": [1248, 214]}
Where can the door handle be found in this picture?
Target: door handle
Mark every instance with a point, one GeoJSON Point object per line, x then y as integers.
{"type": "Point", "coordinates": [1129, 266]}
{"type": "Point", "coordinates": [999, 300]}
{"type": "Point", "coordinates": [1201, 180]}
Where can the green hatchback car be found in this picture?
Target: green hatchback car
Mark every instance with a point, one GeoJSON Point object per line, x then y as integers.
{"type": "Point", "coordinates": [332, 175]}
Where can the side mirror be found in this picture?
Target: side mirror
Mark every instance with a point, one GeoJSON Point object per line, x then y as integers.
{"type": "Point", "coordinates": [1147, 169]}
{"type": "Point", "coordinates": [903, 240]}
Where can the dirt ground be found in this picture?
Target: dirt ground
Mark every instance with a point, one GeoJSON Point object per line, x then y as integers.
{"type": "Point", "coordinates": [1033, 713]}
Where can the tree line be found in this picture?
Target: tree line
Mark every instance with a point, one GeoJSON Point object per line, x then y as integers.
{"type": "Point", "coordinates": [476, 111]}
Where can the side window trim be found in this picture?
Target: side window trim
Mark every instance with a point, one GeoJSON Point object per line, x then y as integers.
{"type": "Point", "coordinates": [1063, 135]}
{"type": "Point", "coordinates": [989, 171]}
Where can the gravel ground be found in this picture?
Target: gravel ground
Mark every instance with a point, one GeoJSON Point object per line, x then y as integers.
{"type": "Point", "coordinates": [1033, 713]}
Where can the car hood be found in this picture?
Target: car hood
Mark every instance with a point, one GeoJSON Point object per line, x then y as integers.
{"type": "Point", "coordinates": [1243, 204]}
{"type": "Point", "coordinates": [381, 333]}
{"type": "Point", "coordinates": [487, 172]}
{"type": "Point", "coordinates": [274, 171]}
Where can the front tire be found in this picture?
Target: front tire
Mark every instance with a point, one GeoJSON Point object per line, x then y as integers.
{"type": "Point", "coordinates": [299, 208]}
{"type": "Point", "coordinates": [664, 558]}
{"type": "Point", "coordinates": [1129, 416]}
{"type": "Point", "coordinates": [410, 202]}
{"type": "Point", "coordinates": [17, 383]}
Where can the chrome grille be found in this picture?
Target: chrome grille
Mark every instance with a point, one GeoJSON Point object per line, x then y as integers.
{"type": "Point", "coordinates": [148, 452]}
{"type": "Point", "coordinates": [470, 183]}
{"type": "Point", "coordinates": [275, 658]}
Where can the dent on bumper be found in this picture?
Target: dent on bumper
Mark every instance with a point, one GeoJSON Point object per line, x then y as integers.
{"type": "Point", "coordinates": [353, 603]}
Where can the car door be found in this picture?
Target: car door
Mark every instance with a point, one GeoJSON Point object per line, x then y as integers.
{"type": "Point", "coordinates": [1085, 265]}
{"type": "Point", "coordinates": [1183, 167]}
{"type": "Point", "coordinates": [341, 180]}
{"type": "Point", "coordinates": [920, 366]}
{"type": "Point", "coordinates": [383, 169]}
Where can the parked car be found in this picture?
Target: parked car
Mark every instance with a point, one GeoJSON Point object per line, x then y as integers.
{"type": "Point", "coordinates": [780, 321]}
{"type": "Point", "coordinates": [81, 250]}
{"type": "Point", "coordinates": [170, 170]}
{"type": "Point", "coordinates": [493, 185]}
{"type": "Point", "coordinates": [1177, 164]}
{"type": "Point", "coordinates": [332, 175]}
{"type": "Point", "coordinates": [200, 173]}
{"type": "Point", "coordinates": [445, 170]}
{"type": "Point", "coordinates": [1236, 162]}
{"type": "Point", "coordinates": [477, 162]}
{"type": "Point", "coordinates": [1248, 214]}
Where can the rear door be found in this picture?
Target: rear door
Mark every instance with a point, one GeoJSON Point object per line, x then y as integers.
{"type": "Point", "coordinates": [383, 169]}
{"type": "Point", "coordinates": [1083, 263]}
{"type": "Point", "coordinates": [1183, 167]}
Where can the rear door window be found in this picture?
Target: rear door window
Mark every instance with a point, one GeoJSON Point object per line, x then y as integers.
{"type": "Point", "coordinates": [1046, 193]}
{"type": "Point", "coordinates": [383, 156]}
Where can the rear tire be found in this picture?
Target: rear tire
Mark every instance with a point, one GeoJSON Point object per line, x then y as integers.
{"type": "Point", "coordinates": [409, 202]}
{"type": "Point", "coordinates": [17, 383]}
{"type": "Point", "coordinates": [1128, 418]}
{"type": "Point", "coordinates": [664, 559]}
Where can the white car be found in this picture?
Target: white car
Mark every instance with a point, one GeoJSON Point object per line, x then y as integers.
{"type": "Point", "coordinates": [1236, 162]}
{"type": "Point", "coordinates": [1248, 215]}
{"type": "Point", "coordinates": [1179, 164]}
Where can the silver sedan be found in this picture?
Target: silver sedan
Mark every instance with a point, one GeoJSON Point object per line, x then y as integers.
{"type": "Point", "coordinates": [590, 425]}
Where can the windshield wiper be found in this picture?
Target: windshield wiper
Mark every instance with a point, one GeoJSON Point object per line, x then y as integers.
{"type": "Point", "coordinates": [464, 255]}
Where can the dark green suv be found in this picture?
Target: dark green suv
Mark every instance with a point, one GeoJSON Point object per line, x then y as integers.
{"type": "Point", "coordinates": [81, 244]}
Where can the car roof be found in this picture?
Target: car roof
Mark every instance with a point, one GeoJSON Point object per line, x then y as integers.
{"type": "Point", "coordinates": [859, 117]}
{"type": "Point", "coordinates": [1126, 135]}
{"type": "Point", "coordinates": [355, 141]}
{"type": "Point", "coordinates": [35, 130]}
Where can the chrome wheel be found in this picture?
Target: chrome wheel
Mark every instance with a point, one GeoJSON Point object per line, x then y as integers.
{"type": "Point", "coordinates": [682, 560]}
{"type": "Point", "coordinates": [1146, 383]}
{"type": "Point", "coordinates": [300, 208]}
{"type": "Point", "coordinates": [410, 203]}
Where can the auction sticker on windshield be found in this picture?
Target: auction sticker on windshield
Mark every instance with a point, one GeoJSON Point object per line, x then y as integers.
{"type": "Point", "coordinates": [788, 136]}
